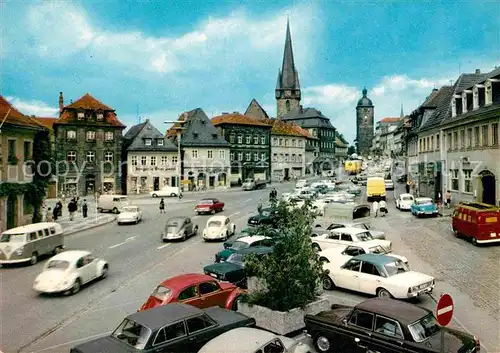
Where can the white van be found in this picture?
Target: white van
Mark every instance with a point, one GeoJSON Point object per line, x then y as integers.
{"type": "Point", "coordinates": [166, 191]}
{"type": "Point", "coordinates": [112, 203]}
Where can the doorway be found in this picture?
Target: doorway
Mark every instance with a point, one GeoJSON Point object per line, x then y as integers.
{"type": "Point", "coordinates": [287, 174]}
{"type": "Point", "coordinates": [489, 187]}
{"type": "Point", "coordinates": [11, 210]}
{"type": "Point", "coordinates": [437, 187]}
{"type": "Point", "coordinates": [90, 185]}
{"type": "Point", "coordinates": [156, 183]}
{"type": "Point", "coordinates": [211, 181]}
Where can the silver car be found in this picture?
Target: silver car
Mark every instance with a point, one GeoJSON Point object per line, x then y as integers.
{"type": "Point", "coordinates": [320, 229]}
{"type": "Point", "coordinates": [179, 228]}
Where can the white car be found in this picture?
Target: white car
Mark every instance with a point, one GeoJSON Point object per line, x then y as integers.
{"type": "Point", "coordinates": [166, 191]}
{"type": "Point", "coordinates": [334, 254]}
{"type": "Point", "coordinates": [68, 271]}
{"type": "Point", "coordinates": [381, 275]}
{"type": "Point", "coordinates": [404, 202]}
{"type": "Point", "coordinates": [219, 228]}
{"type": "Point", "coordinates": [129, 214]}
{"type": "Point", "coordinates": [300, 184]}
{"type": "Point", "coordinates": [389, 185]}
{"type": "Point", "coordinates": [347, 236]}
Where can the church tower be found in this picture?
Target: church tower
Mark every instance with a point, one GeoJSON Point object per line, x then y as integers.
{"type": "Point", "coordinates": [364, 124]}
{"type": "Point", "coordinates": [287, 86]}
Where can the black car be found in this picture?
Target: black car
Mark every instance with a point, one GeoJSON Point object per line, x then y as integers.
{"type": "Point", "coordinates": [173, 327]}
{"type": "Point", "coordinates": [233, 269]}
{"type": "Point", "coordinates": [385, 326]}
{"type": "Point", "coordinates": [266, 217]}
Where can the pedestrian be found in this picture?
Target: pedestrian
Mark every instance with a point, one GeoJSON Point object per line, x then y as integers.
{"type": "Point", "coordinates": [375, 208]}
{"type": "Point", "coordinates": [259, 207]}
{"type": "Point", "coordinates": [383, 208]}
{"type": "Point", "coordinates": [72, 209]}
{"type": "Point", "coordinates": [85, 208]}
{"type": "Point", "coordinates": [162, 206]}
{"type": "Point", "coordinates": [55, 213]}
{"type": "Point", "coordinates": [408, 184]}
{"type": "Point", "coordinates": [49, 215]}
{"type": "Point", "coordinates": [44, 212]}
{"type": "Point", "coordinates": [448, 198]}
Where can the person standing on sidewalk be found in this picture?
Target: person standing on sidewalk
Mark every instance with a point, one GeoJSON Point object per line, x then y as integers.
{"type": "Point", "coordinates": [162, 206]}
{"type": "Point", "coordinates": [85, 208]}
{"type": "Point", "coordinates": [448, 198]}
{"type": "Point", "coordinates": [72, 208]}
{"type": "Point", "coordinates": [49, 215]}
{"type": "Point", "coordinates": [408, 184]}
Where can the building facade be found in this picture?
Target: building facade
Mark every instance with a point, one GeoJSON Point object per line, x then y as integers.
{"type": "Point", "coordinates": [364, 124]}
{"type": "Point", "coordinates": [17, 135]}
{"type": "Point", "coordinates": [341, 146]}
{"type": "Point", "coordinates": [151, 159]}
{"type": "Point", "coordinates": [249, 145]}
{"type": "Point", "coordinates": [384, 140]}
{"type": "Point", "coordinates": [88, 148]}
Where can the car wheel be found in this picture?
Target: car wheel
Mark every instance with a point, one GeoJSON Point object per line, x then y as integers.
{"type": "Point", "coordinates": [455, 233]}
{"type": "Point", "coordinates": [234, 230]}
{"type": "Point", "coordinates": [99, 210]}
{"type": "Point", "coordinates": [316, 247]}
{"type": "Point", "coordinates": [212, 211]}
{"type": "Point", "coordinates": [76, 286]}
{"type": "Point", "coordinates": [58, 250]}
{"type": "Point", "coordinates": [184, 236]}
{"type": "Point", "coordinates": [154, 195]}
{"type": "Point", "coordinates": [234, 305]}
{"type": "Point", "coordinates": [322, 344]}
{"type": "Point", "coordinates": [327, 283]}
{"type": "Point", "coordinates": [115, 210]}
{"type": "Point", "coordinates": [104, 272]}
{"type": "Point", "coordinates": [34, 258]}
{"type": "Point", "coordinates": [383, 293]}
{"type": "Point", "coordinates": [173, 195]}
{"type": "Point", "coordinates": [474, 241]}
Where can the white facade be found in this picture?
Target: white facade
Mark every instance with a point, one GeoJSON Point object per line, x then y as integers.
{"type": "Point", "coordinates": [207, 167]}
{"type": "Point", "coordinates": [145, 168]}
{"type": "Point", "coordinates": [288, 156]}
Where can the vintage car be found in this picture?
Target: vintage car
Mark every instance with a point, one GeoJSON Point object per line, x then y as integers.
{"type": "Point", "coordinates": [194, 289]}
{"type": "Point", "coordinates": [166, 191]}
{"type": "Point", "coordinates": [249, 232]}
{"type": "Point", "coordinates": [320, 229]}
{"type": "Point", "coordinates": [348, 252]}
{"type": "Point", "coordinates": [385, 326]}
{"type": "Point", "coordinates": [253, 340]}
{"type": "Point", "coordinates": [381, 275]}
{"type": "Point", "coordinates": [389, 184]}
{"type": "Point", "coordinates": [266, 217]}
{"type": "Point", "coordinates": [347, 236]}
{"type": "Point", "coordinates": [424, 206]}
{"type": "Point", "coordinates": [209, 205]}
{"type": "Point", "coordinates": [233, 269]}
{"type": "Point", "coordinates": [173, 327]}
{"type": "Point", "coordinates": [68, 271]}
{"type": "Point", "coordinates": [218, 228]}
{"type": "Point", "coordinates": [404, 202]}
{"type": "Point", "coordinates": [243, 243]}
{"type": "Point", "coordinates": [129, 214]}
{"type": "Point", "coordinates": [179, 228]}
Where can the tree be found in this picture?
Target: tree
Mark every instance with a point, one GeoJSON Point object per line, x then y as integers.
{"type": "Point", "coordinates": [292, 272]}
{"type": "Point", "coordinates": [351, 150]}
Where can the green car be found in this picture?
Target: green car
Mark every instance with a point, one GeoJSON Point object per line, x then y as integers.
{"type": "Point", "coordinates": [233, 269]}
{"type": "Point", "coordinates": [243, 243]}
{"type": "Point", "coordinates": [266, 217]}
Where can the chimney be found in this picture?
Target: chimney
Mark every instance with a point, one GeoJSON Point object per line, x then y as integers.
{"type": "Point", "coordinates": [61, 102]}
{"type": "Point", "coordinates": [478, 71]}
{"type": "Point", "coordinates": [236, 112]}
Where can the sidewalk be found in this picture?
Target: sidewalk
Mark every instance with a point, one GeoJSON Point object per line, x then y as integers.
{"type": "Point", "coordinates": [79, 223]}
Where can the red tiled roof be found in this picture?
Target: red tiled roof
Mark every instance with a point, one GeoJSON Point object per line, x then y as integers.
{"type": "Point", "coordinates": [15, 117]}
{"type": "Point", "coordinates": [88, 102]}
{"type": "Point", "coordinates": [281, 127]}
{"type": "Point", "coordinates": [390, 120]}
{"type": "Point", "coordinates": [304, 132]}
{"type": "Point", "coordinates": [110, 119]}
{"type": "Point", "coordinates": [237, 119]}
{"type": "Point", "coordinates": [46, 122]}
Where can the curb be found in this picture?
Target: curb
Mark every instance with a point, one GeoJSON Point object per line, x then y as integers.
{"type": "Point", "coordinates": [91, 227]}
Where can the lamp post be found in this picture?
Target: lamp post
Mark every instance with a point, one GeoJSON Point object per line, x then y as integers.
{"type": "Point", "coordinates": [179, 136]}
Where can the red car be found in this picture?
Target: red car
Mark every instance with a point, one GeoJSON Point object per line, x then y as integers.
{"type": "Point", "coordinates": [209, 206]}
{"type": "Point", "coordinates": [194, 289]}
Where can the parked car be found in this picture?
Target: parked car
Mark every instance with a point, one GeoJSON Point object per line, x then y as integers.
{"type": "Point", "coordinates": [251, 184]}
{"type": "Point", "coordinates": [347, 236]}
{"type": "Point", "coordinates": [385, 326]}
{"type": "Point", "coordinates": [477, 221]}
{"type": "Point", "coordinates": [307, 194]}
{"type": "Point", "coordinates": [129, 214]}
{"type": "Point", "coordinates": [381, 275]}
{"type": "Point", "coordinates": [404, 202]}
{"type": "Point", "coordinates": [210, 205]}
{"type": "Point", "coordinates": [266, 217]}
{"type": "Point", "coordinates": [68, 271]}
{"type": "Point", "coordinates": [325, 229]}
{"type": "Point", "coordinates": [174, 327]}
{"type": "Point", "coordinates": [424, 206]}
{"type": "Point", "coordinates": [194, 289]}
{"type": "Point", "coordinates": [112, 203]}
{"type": "Point", "coordinates": [166, 191]}
{"type": "Point", "coordinates": [253, 340]}
{"type": "Point", "coordinates": [243, 243]}
{"type": "Point", "coordinates": [219, 228]}
{"type": "Point", "coordinates": [389, 185]}
{"type": "Point", "coordinates": [247, 232]}
{"type": "Point", "coordinates": [348, 252]}
{"type": "Point", "coordinates": [179, 228]}
{"type": "Point", "coordinates": [233, 269]}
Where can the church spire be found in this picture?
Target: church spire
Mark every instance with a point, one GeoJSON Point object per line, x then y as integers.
{"type": "Point", "coordinates": [289, 76]}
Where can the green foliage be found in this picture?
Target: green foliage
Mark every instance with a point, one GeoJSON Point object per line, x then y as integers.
{"type": "Point", "coordinates": [292, 272]}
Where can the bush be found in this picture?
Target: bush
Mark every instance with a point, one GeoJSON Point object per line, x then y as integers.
{"type": "Point", "coordinates": [292, 272]}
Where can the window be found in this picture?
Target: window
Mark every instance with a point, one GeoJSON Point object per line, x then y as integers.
{"type": "Point", "coordinates": [274, 347]}
{"type": "Point", "coordinates": [388, 327]}
{"type": "Point", "coordinates": [281, 142]}
{"type": "Point", "coordinates": [240, 156]}
{"type": "Point", "coordinates": [80, 115]}
{"type": "Point", "coordinates": [255, 156]}
{"type": "Point", "coordinates": [362, 319]}
{"type": "Point", "coordinates": [160, 142]}
{"type": "Point", "coordinates": [300, 158]}
{"type": "Point", "coordinates": [248, 156]}
{"type": "Point", "coordinates": [152, 161]}
{"type": "Point", "coordinates": [353, 251]}
{"type": "Point", "coordinates": [222, 154]}
{"type": "Point", "coordinates": [90, 156]}
{"type": "Point", "coordinates": [133, 160]}
{"type": "Point", "coordinates": [286, 143]}
{"type": "Point", "coordinates": [194, 154]}
{"type": "Point", "coordinates": [109, 136]}
{"type": "Point", "coordinates": [353, 265]}
{"type": "Point", "coordinates": [240, 139]}
{"type": "Point", "coordinates": [256, 140]}
{"type": "Point", "coordinates": [164, 160]}
{"type": "Point", "coordinates": [469, 138]}
{"type": "Point", "coordinates": [484, 135]}
{"type": "Point", "coordinates": [449, 142]}
{"type": "Point", "coordinates": [369, 269]}
{"type": "Point", "coordinates": [293, 143]}
{"type": "Point", "coordinates": [263, 140]}
{"type": "Point", "coordinates": [275, 141]}
{"type": "Point", "coordinates": [345, 237]}
{"type": "Point", "coordinates": [454, 179]}
{"type": "Point", "coordinates": [147, 142]}
{"type": "Point", "coordinates": [462, 139]}
{"type": "Point", "coordinates": [437, 142]}
{"type": "Point", "coordinates": [71, 135]}
{"type": "Point", "coordinates": [477, 138]}
{"type": "Point", "coordinates": [286, 157]}
{"type": "Point", "coordinates": [275, 157]}
{"type": "Point", "coordinates": [90, 135]}
{"type": "Point", "coordinates": [263, 156]}
{"type": "Point", "coordinates": [27, 150]}
{"type": "Point", "coordinates": [467, 180]}
{"type": "Point", "coordinates": [170, 332]}
{"type": "Point", "coordinates": [198, 323]}
{"type": "Point", "coordinates": [108, 157]}
{"type": "Point", "coordinates": [100, 117]}
{"type": "Point", "coordinates": [208, 287]}
{"type": "Point", "coordinates": [248, 140]}
{"type": "Point", "coordinates": [494, 134]}
{"type": "Point", "coordinates": [231, 138]}
{"type": "Point", "coordinates": [188, 293]}
{"type": "Point", "coordinates": [432, 143]}
{"type": "Point", "coordinates": [144, 160]}
{"type": "Point", "coordinates": [293, 157]}
{"type": "Point", "coordinates": [231, 156]}
{"type": "Point", "coordinates": [455, 140]}
{"type": "Point", "coordinates": [210, 154]}
{"type": "Point", "coordinates": [174, 159]}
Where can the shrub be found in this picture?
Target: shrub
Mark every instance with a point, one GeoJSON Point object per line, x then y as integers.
{"type": "Point", "coordinates": [292, 272]}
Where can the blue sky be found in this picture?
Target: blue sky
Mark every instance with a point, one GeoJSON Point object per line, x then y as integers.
{"type": "Point", "coordinates": [165, 57]}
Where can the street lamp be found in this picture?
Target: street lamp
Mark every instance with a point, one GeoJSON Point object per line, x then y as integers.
{"type": "Point", "coordinates": [179, 136]}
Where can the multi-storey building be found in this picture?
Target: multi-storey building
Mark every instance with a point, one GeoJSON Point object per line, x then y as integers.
{"type": "Point", "coordinates": [341, 146]}
{"type": "Point", "coordinates": [383, 141]}
{"type": "Point", "coordinates": [17, 135]}
{"type": "Point", "coordinates": [88, 147]}
{"type": "Point", "coordinates": [151, 159]}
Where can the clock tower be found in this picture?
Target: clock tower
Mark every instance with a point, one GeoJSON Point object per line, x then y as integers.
{"type": "Point", "coordinates": [364, 124]}
{"type": "Point", "coordinates": [287, 85]}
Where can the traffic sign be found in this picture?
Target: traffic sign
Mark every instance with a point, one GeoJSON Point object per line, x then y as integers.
{"type": "Point", "coordinates": [444, 310]}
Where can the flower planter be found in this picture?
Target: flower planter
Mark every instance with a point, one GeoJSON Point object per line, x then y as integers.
{"type": "Point", "coordinates": [280, 322]}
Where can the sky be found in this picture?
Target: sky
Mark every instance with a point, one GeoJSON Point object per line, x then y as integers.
{"type": "Point", "coordinates": [157, 59]}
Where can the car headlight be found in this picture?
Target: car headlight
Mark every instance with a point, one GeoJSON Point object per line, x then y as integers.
{"type": "Point", "coordinates": [20, 251]}
{"type": "Point", "coordinates": [413, 289]}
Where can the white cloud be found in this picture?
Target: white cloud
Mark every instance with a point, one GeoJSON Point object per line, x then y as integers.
{"type": "Point", "coordinates": [33, 107]}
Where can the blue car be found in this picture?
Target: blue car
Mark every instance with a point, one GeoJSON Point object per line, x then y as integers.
{"type": "Point", "coordinates": [424, 206]}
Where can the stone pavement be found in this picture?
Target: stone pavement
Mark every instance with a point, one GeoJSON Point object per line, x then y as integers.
{"type": "Point", "coordinates": [79, 223]}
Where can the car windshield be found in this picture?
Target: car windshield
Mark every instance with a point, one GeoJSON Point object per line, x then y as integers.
{"type": "Point", "coordinates": [424, 328]}
{"type": "Point", "coordinates": [161, 293]}
{"type": "Point", "coordinates": [378, 250]}
{"type": "Point", "coordinates": [58, 264]}
{"type": "Point", "coordinates": [13, 238]}
{"type": "Point", "coordinates": [424, 202]}
{"type": "Point", "coordinates": [173, 224]}
{"type": "Point", "coordinates": [365, 236]}
{"type": "Point", "coordinates": [396, 267]}
{"type": "Point", "coordinates": [238, 245]}
{"type": "Point", "coordinates": [237, 259]}
{"type": "Point", "coordinates": [215, 224]}
{"type": "Point", "coordinates": [130, 209]}
{"type": "Point", "coordinates": [407, 198]}
{"type": "Point", "coordinates": [132, 333]}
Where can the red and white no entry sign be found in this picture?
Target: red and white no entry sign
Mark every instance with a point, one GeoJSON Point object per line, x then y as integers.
{"type": "Point", "coordinates": [444, 310]}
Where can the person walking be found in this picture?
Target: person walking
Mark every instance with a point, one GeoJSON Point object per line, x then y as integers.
{"type": "Point", "coordinates": [383, 208]}
{"type": "Point", "coordinates": [85, 208]}
{"type": "Point", "coordinates": [448, 198]}
{"type": "Point", "coordinates": [259, 207]}
{"type": "Point", "coordinates": [44, 212]}
{"type": "Point", "coordinates": [408, 184]}
{"type": "Point", "coordinates": [375, 208]}
{"type": "Point", "coordinates": [162, 206]}
{"type": "Point", "coordinates": [72, 208]}
{"type": "Point", "coordinates": [49, 215]}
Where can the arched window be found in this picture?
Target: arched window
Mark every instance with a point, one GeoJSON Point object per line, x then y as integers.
{"type": "Point", "coordinates": [287, 104]}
